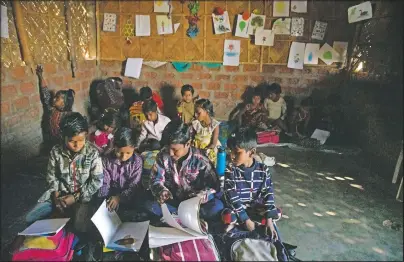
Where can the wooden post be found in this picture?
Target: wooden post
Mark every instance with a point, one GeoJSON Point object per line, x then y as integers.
{"type": "Point", "coordinates": [22, 35]}
{"type": "Point", "coordinates": [70, 43]}
{"type": "Point", "coordinates": [262, 47]}
{"type": "Point", "coordinates": [398, 166]}
{"type": "Point", "coordinates": [98, 30]}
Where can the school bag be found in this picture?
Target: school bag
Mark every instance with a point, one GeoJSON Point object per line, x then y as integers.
{"type": "Point", "coordinates": [106, 94]}
{"type": "Point", "coordinates": [191, 250]}
{"type": "Point", "coordinates": [269, 136]}
{"type": "Point", "coordinates": [59, 247]}
{"type": "Point", "coordinates": [248, 249]}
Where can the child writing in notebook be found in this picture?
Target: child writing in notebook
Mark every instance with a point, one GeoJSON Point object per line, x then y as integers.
{"type": "Point", "coordinates": [206, 129]}
{"type": "Point", "coordinates": [186, 107]}
{"type": "Point", "coordinates": [248, 191]}
{"type": "Point", "coordinates": [54, 109]}
{"type": "Point", "coordinates": [73, 176]}
{"type": "Point", "coordinates": [107, 124]}
{"type": "Point", "coordinates": [122, 172]}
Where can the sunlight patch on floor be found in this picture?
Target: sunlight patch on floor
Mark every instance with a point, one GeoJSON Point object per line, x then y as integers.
{"type": "Point", "coordinates": [329, 178]}
{"type": "Point", "coordinates": [320, 174]}
{"type": "Point", "coordinates": [351, 221]}
{"type": "Point", "coordinates": [357, 186]}
{"type": "Point", "coordinates": [299, 172]}
{"type": "Point", "coordinates": [330, 213]}
{"type": "Point", "coordinates": [348, 178]}
{"type": "Point", "coordinates": [282, 165]}
{"type": "Point", "coordinates": [339, 178]}
{"type": "Point", "coordinates": [309, 224]}
{"type": "Point", "coordinates": [317, 214]}
{"type": "Point", "coordinates": [378, 250]}
{"type": "Point", "coordinates": [301, 204]}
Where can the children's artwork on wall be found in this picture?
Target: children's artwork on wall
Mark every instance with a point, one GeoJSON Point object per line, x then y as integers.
{"type": "Point", "coordinates": [176, 26]}
{"type": "Point", "coordinates": [296, 55]}
{"type": "Point", "coordinates": [164, 25]}
{"type": "Point", "coordinates": [231, 56]}
{"type": "Point", "coordinates": [242, 26]}
{"type": "Point", "coordinates": [328, 54]}
{"type": "Point", "coordinates": [257, 23]}
{"type": "Point", "coordinates": [319, 30]}
{"type": "Point", "coordinates": [4, 22]}
{"type": "Point", "coordinates": [133, 67]}
{"type": "Point", "coordinates": [221, 23]}
{"type": "Point", "coordinates": [342, 49]}
{"type": "Point", "coordinates": [109, 22]}
{"type": "Point", "coordinates": [281, 8]}
{"type": "Point", "coordinates": [142, 25]}
{"type": "Point", "coordinates": [162, 6]}
{"type": "Point", "coordinates": [282, 26]}
{"type": "Point", "coordinates": [297, 26]}
{"type": "Point", "coordinates": [359, 12]}
{"type": "Point", "coordinates": [264, 37]}
{"type": "Point", "coordinates": [311, 54]}
{"type": "Point", "coordinates": [128, 29]}
{"type": "Point", "coordinates": [298, 6]}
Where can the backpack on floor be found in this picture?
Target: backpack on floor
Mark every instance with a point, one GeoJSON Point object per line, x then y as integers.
{"type": "Point", "coordinates": [59, 247]}
{"type": "Point", "coordinates": [191, 250]}
{"type": "Point", "coordinates": [248, 249]}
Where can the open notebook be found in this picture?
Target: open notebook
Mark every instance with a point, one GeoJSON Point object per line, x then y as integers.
{"type": "Point", "coordinates": [185, 227]}
{"type": "Point", "coordinates": [127, 236]}
{"type": "Point", "coordinates": [45, 227]}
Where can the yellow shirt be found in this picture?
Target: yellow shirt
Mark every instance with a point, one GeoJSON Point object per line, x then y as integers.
{"type": "Point", "coordinates": [187, 110]}
{"type": "Point", "coordinates": [276, 109]}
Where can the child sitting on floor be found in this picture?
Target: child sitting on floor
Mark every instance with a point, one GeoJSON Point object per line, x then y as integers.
{"type": "Point", "coordinates": [182, 172]}
{"type": "Point", "coordinates": [107, 124]}
{"type": "Point", "coordinates": [122, 172]}
{"type": "Point", "coordinates": [74, 175]}
{"type": "Point", "coordinates": [248, 187]}
{"type": "Point", "coordinates": [206, 129]}
{"type": "Point", "coordinates": [55, 110]}
{"type": "Point", "coordinates": [254, 114]}
{"type": "Point", "coordinates": [276, 106]}
{"type": "Point", "coordinates": [300, 118]}
{"type": "Point", "coordinates": [136, 113]}
{"type": "Point", "coordinates": [154, 125]}
{"type": "Point", "coordinates": [186, 107]}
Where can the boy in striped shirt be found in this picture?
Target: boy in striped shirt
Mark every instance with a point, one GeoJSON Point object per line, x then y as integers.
{"type": "Point", "coordinates": [248, 187]}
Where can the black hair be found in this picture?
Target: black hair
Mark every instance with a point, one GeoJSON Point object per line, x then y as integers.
{"type": "Point", "coordinates": [110, 117]}
{"type": "Point", "coordinates": [275, 88]}
{"type": "Point", "coordinates": [257, 92]}
{"type": "Point", "coordinates": [206, 105]}
{"type": "Point", "coordinates": [149, 106]}
{"type": "Point", "coordinates": [73, 124]}
{"type": "Point", "coordinates": [68, 97]}
{"type": "Point", "coordinates": [176, 132]}
{"type": "Point", "coordinates": [145, 93]}
{"type": "Point", "coordinates": [186, 88]}
{"type": "Point", "coordinates": [124, 136]}
{"type": "Point", "coordinates": [308, 101]}
{"type": "Point", "coordinates": [244, 138]}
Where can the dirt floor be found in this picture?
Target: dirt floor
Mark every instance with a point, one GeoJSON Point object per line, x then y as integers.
{"type": "Point", "coordinates": [333, 206]}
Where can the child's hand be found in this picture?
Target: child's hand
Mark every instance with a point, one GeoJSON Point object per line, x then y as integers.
{"type": "Point", "coordinates": [113, 203]}
{"type": "Point", "coordinates": [271, 227]}
{"type": "Point", "coordinates": [39, 70]}
{"type": "Point", "coordinates": [67, 201]}
{"type": "Point", "coordinates": [250, 225]}
{"type": "Point", "coordinates": [164, 196]}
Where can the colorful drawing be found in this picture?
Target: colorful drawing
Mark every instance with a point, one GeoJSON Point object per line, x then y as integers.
{"type": "Point", "coordinates": [161, 6]}
{"type": "Point", "coordinates": [328, 54]}
{"type": "Point", "coordinates": [281, 8]}
{"type": "Point", "coordinates": [319, 30]}
{"type": "Point", "coordinates": [164, 25]}
{"type": "Point", "coordinates": [282, 26]}
{"type": "Point", "coordinates": [256, 24]}
{"type": "Point", "coordinates": [299, 6]}
{"type": "Point", "coordinates": [360, 12]}
{"type": "Point", "coordinates": [297, 26]}
{"type": "Point", "coordinates": [109, 22]}
{"type": "Point", "coordinates": [311, 54]}
{"type": "Point", "coordinates": [221, 23]}
{"type": "Point", "coordinates": [265, 38]}
{"type": "Point", "coordinates": [342, 49]}
{"type": "Point", "coordinates": [231, 54]}
{"type": "Point", "coordinates": [296, 55]}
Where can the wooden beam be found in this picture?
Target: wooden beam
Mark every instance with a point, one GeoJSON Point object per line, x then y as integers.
{"type": "Point", "coordinates": [398, 166]}
{"type": "Point", "coordinates": [98, 30]}
{"type": "Point", "coordinates": [70, 43]}
{"type": "Point", "coordinates": [22, 35]}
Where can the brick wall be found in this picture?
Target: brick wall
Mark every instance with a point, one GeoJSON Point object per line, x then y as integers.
{"type": "Point", "coordinates": [225, 85]}
{"type": "Point", "coordinates": [21, 109]}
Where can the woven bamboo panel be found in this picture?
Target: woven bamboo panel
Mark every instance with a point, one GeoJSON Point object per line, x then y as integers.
{"type": "Point", "coordinates": [207, 46]}
{"type": "Point", "coordinates": [10, 50]}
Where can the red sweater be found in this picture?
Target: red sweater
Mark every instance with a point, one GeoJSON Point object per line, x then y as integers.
{"type": "Point", "coordinates": [156, 97]}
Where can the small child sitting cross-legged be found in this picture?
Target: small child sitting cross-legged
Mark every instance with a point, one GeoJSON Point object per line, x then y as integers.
{"type": "Point", "coordinates": [122, 172]}
{"type": "Point", "coordinates": [248, 186]}
{"type": "Point", "coordinates": [73, 176]}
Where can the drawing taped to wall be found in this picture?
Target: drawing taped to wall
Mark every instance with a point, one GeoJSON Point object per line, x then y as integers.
{"type": "Point", "coordinates": [296, 55]}
{"type": "Point", "coordinates": [257, 23]}
{"type": "Point", "coordinates": [164, 25]}
{"type": "Point", "coordinates": [299, 6]}
{"type": "Point", "coordinates": [360, 12]}
{"type": "Point", "coordinates": [319, 30]}
{"type": "Point", "coordinates": [242, 26]}
{"type": "Point", "coordinates": [297, 26]}
{"type": "Point", "coordinates": [221, 23]}
{"type": "Point", "coordinates": [281, 26]}
{"type": "Point", "coordinates": [264, 37]}
{"type": "Point", "coordinates": [109, 22]}
{"type": "Point", "coordinates": [311, 54]}
{"type": "Point", "coordinates": [162, 6]}
{"type": "Point", "coordinates": [231, 54]}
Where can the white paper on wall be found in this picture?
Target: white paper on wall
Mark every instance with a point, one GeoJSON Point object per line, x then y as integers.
{"type": "Point", "coordinates": [311, 54]}
{"type": "Point", "coordinates": [298, 6]}
{"type": "Point", "coordinates": [109, 22]}
{"type": "Point", "coordinates": [221, 23]}
{"type": "Point", "coordinates": [4, 22]}
{"type": "Point", "coordinates": [162, 6]}
{"type": "Point", "coordinates": [342, 49]}
{"type": "Point", "coordinates": [296, 55]}
{"type": "Point", "coordinates": [231, 56]}
{"type": "Point", "coordinates": [142, 25]}
{"type": "Point", "coordinates": [264, 37]}
{"type": "Point", "coordinates": [360, 12]}
{"type": "Point", "coordinates": [281, 26]}
{"type": "Point", "coordinates": [133, 67]}
{"type": "Point", "coordinates": [164, 25]}
{"type": "Point", "coordinates": [257, 23]}
{"type": "Point", "coordinates": [281, 8]}
{"type": "Point", "coordinates": [328, 54]}
{"type": "Point", "coordinates": [176, 26]}
{"type": "Point", "coordinates": [242, 27]}
{"type": "Point", "coordinates": [297, 27]}
{"type": "Point", "coordinates": [319, 30]}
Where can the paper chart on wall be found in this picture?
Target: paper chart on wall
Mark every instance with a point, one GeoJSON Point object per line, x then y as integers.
{"type": "Point", "coordinates": [161, 6]}
{"type": "Point", "coordinates": [328, 54]}
{"type": "Point", "coordinates": [109, 22]}
{"type": "Point", "coordinates": [342, 49]}
{"type": "Point", "coordinates": [242, 27]}
{"type": "Point", "coordinates": [298, 6]}
{"type": "Point", "coordinates": [257, 23]}
{"type": "Point", "coordinates": [231, 56]}
{"type": "Point", "coordinates": [297, 27]}
{"type": "Point", "coordinates": [311, 54]}
{"type": "Point", "coordinates": [359, 12]}
{"type": "Point", "coordinates": [133, 67]}
{"type": "Point", "coordinates": [296, 55]}
{"type": "Point", "coordinates": [264, 37]}
{"type": "Point", "coordinates": [4, 22]}
{"type": "Point", "coordinates": [221, 23]}
{"type": "Point", "coordinates": [142, 25]}
{"type": "Point", "coordinates": [319, 30]}
{"type": "Point", "coordinates": [281, 26]}
{"type": "Point", "coordinates": [164, 25]}
{"type": "Point", "coordinates": [281, 8]}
